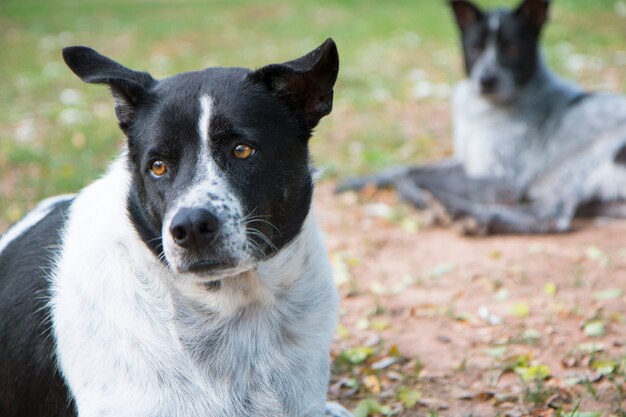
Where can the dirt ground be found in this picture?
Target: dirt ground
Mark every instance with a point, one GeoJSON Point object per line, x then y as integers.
{"type": "Point", "coordinates": [436, 324]}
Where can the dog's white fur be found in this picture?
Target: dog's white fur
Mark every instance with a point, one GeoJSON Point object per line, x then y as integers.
{"type": "Point", "coordinates": [134, 339]}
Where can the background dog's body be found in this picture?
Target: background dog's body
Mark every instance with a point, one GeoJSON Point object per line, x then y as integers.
{"type": "Point", "coordinates": [530, 149]}
{"type": "Point", "coordinates": [548, 124]}
{"type": "Point", "coordinates": [191, 279]}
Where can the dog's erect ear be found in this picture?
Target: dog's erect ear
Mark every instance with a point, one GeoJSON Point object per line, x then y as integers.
{"type": "Point", "coordinates": [129, 88]}
{"type": "Point", "coordinates": [534, 11]}
{"type": "Point", "coordinates": [466, 13]}
{"type": "Point", "coordinates": [305, 84]}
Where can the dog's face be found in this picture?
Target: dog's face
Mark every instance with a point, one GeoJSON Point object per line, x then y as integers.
{"type": "Point", "coordinates": [500, 47]}
{"type": "Point", "coordinates": [219, 158]}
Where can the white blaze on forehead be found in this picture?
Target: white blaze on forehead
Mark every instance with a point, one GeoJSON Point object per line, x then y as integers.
{"type": "Point", "coordinates": [494, 25]}
{"type": "Point", "coordinates": [206, 170]}
{"type": "Point", "coordinates": [490, 55]}
{"type": "Point", "coordinates": [206, 106]}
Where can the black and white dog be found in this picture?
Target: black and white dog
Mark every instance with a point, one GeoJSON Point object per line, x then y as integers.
{"type": "Point", "coordinates": [531, 151]}
{"type": "Point", "coordinates": [191, 279]}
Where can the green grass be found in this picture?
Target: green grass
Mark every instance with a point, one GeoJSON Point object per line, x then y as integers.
{"type": "Point", "coordinates": [48, 146]}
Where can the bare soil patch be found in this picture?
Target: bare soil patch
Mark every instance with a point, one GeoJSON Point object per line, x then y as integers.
{"type": "Point", "coordinates": [505, 325]}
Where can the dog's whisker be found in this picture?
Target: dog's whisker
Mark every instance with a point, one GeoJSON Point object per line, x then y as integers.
{"type": "Point", "coordinates": [250, 214]}
{"type": "Point", "coordinates": [255, 248]}
{"type": "Point", "coordinates": [263, 237]}
{"type": "Point", "coordinates": [260, 220]}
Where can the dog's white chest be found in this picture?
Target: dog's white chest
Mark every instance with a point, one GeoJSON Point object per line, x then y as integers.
{"type": "Point", "coordinates": [485, 140]}
{"type": "Point", "coordinates": [493, 141]}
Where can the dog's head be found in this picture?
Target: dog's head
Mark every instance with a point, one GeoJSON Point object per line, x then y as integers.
{"type": "Point", "coordinates": [219, 158]}
{"type": "Point", "coordinates": [500, 47]}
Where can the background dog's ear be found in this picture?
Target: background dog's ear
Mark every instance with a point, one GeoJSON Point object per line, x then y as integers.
{"type": "Point", "coordinates": [305, 84]}
{"type": "Point", "coordinates": [535, 11]}
{"type": "Point", "coordinates": [129, 88]}
{"type": "Point", "coordinates": [466, 13]}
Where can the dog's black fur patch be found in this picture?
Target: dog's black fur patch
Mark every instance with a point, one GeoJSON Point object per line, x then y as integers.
{"type": "Point", "coordinates": [30, 384]}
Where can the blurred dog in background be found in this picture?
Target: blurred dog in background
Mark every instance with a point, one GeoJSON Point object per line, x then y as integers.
{"type": "Point", "coordinates": [531, 151]}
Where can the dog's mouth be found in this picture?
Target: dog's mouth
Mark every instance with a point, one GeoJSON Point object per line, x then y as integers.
{"type": "Point", "coordinates": [213, 269]}
{"type": "Point", "coordinates": [499, 97]}
{"type": "Point", "coordinates": [209, 266]}
{"type": "Point", "coordinates": [489, 91]}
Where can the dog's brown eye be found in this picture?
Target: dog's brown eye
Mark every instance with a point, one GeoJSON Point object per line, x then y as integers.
{"type": "Point", "coordinates": [243, 151]}
{"type": "Point", "coordinates": [513, 50]}
{"type": "Point", "coordinates": [158, 168]}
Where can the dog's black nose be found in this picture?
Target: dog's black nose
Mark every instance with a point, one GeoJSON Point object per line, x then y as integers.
{"type": "Point", "coordinates": [194, 228]}
{"type": "Point", "coordinates": [488, 82]}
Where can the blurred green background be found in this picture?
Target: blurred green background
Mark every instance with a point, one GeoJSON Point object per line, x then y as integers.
{"type": "Point", "coordinates": [399, 60]}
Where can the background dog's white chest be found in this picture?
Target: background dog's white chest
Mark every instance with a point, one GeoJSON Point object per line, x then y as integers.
{"type": "Point", "coordinates": [489, 141]}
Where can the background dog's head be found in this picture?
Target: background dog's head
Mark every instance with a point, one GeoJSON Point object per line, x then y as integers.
{"type": "Point", "coordinates": [500, 46]}
{"type": "Point", "coordinates": [219, 158]}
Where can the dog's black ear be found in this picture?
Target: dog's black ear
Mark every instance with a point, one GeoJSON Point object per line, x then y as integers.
{"type": "Point", "coordinates": [129, 88]}
{"type": "Point", "coordinates": [305, 84]}
{"type": "Point", "coordinates": [466, 13]}
{"type": "Point", "coordinates": [534, 11]}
